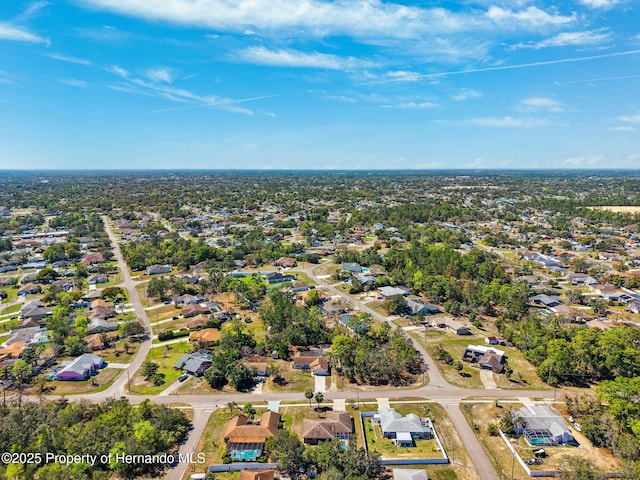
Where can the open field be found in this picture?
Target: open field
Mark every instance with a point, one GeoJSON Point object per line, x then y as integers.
{"type": "Point", "coordinates": [296, 380]}
{"type": "Point", "coordinates": [618, 208]}
{"type": "Point", "coordinates": [117, 353]}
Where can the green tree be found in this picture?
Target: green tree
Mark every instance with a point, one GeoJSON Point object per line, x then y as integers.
{"type": "Point", "coordinates": [149, 369]}
{"type": "Point", "coordinates": [308, 393]}
{"type": "Point", "coordinates": [286, 450]}
{"type": "Point", "coordinates": [319, 399]}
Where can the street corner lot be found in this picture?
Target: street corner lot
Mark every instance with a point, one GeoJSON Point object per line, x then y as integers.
{"type": "Point", "coordinates": [479, 415]}
{"type": "Point", "coordinates": [524, 374]}
{"type": "Point", "coordinates": [389, 451]}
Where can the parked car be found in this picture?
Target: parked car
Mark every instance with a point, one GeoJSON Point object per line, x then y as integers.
{"type": "Point", "coordinates": [183, 377]}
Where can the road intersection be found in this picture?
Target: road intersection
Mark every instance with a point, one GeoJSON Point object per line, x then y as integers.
{"type": "Point", "coordinates": [437, 389]}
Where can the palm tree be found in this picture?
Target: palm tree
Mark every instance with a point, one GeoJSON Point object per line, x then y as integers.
{"type": "Point", "coordinates": [231, 406]}
{"type": "Point", "coordinates": [308, 393]}
{"type": "Point", "coordinates": [319, 399]}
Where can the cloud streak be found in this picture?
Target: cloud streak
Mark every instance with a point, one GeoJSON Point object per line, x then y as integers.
{"type": "Point", "coordinates": [296, 59]}
{"type": "Point", "coordinates": [17, 33]}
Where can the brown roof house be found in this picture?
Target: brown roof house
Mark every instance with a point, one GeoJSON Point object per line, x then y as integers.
{"type": "Point", "coordinates": [286, 262]}
{"type": "Point", "coordinates": [335, 425]}
{"type": "Point", "coordinates": [257, 475]}
{"type": "Point", "coordinates": [206, 335]}
{"type": "Point", "coordinates": [192, 310]}
{"type": "Point", "coordinates": [313, 361]}
{"type": "Point", "coordinates": [245, 441]}
{"type": "Point", "coordinates": [198, 321]}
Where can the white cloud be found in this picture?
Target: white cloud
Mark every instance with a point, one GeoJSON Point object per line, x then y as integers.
{"type": "Point", "coordinates": [161, 75]}
{"type": "Point", "coordinates": [531, 16]}
{"type": "Point", "coordinates": [363, 19]}
{"type": "Point", "coordinates": [9, 31]}
{"type": "Point", "coordinates": [542, 103]}
{"type": "Point", "coordinates": [151, 88]}
{"type": "Point", "coordinates": [293, 58]}
{"type": "Point", "coordinates": [565, 39]}
{"type": "Point", "coordinates": [69, 59]}
{"type": "Point", "coordinates": [628, 118]}
{"type": "Point", "coordinates": [604, 4]}
{"type": "Point", "coordinates": [118, 71]}
{"type": "Point", "coordinates": [403, 76]}
{"type": "Point", "coordinates": [72, 82]}
{"type": "Point", "coordinates": [413, 105]}
{"type": "Point", "coordinates": [505, 122]}
{"type": "Point", "coordinates": [622, 128]}
{"type": "Point", "coordinates": [582, 161]}
{"type": "Point", "coordinates": [466, 94]}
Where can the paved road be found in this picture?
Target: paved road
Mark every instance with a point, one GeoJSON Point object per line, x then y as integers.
{"type": "Point", "coordinates": [118, 386]}
{"type": "Point", "coordinates": [435, 377]}
{"type": "Point", "coordinates": [438, 389]}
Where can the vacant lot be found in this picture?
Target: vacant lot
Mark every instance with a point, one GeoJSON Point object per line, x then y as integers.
{"type": "Point", "coordinates": [166, 356]}
{"type": "Point", "coordinates": [294, 380]}
{"type": "Point", "coordinates": [618, 208]}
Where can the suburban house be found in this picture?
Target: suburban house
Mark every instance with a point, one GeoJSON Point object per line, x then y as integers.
{"type": "Point", "coordinates": [80, 368]}
{"type": "Point", "coordinates": [194, 363]}
{"type": "Point", "coordinates": [188, 299]}
{"type": "Point", "coordinates": [99, 325]}
{"type": "Point", "coordinates": [29, 289]}
{"type": "Point", "coordinates": [495, 341]}
{"type": "Point", "coordinates": [403, 430]}
{"type": "Point", "coordinates": [245, 441]}
{"type": "Point", "coordinates": [298, 287]}
{"type": "Point", "coordinates": [351, 267]}
{"type": "Point", "coordinates": [198, 321]}
{"type": "Point", "coordinates": [97, 278]}
{"type": "Point", "coordinates": [334, 425]}
{"type": "Point", "coordinates": [393, 291]}
{"type": "Point", "coordinates": [206, 335]}
{"type": "Point", "coordinates": [409, 474]}
{"type": "Point", "coordinates": [11, 351]}
{"type": "Point", "coordinates": [101, 312]}
{"type": "Point", "coordinates": [63, 284]}
{"type": "Point", "coordinates": [94, 340]}
{"type": "Point", "coordinates": [548, 301]}
{"type": "Point", "coordinates": [192, 310]}
{"type": "Point", "coordinates": [277, 277]}
{"type": "Point", "coordinates": [159, 269]}
{"type": "Point", "coordinates": [257, 475]}
{"type": "Point", "coordinates": [286, 262]}
{"type": "Point", "coordinates": [487, 358]}
{"type": "Point", "coordinates": [542, 426]}
{"type": "Point", "coordinates": [92, 258]}
{"type": "Point", "coordinates": [456, 327]}
{"type": "Point", "coordinates": [417, 306]}
{"type": "Point", "coordinates": [353, 324]}
{"type": "Point", "coordinates": [313, 361]}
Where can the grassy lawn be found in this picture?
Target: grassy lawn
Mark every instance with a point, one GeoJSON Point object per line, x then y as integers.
{"type": "Point", "coordinates": [482, 413]}
{"type": "Point", "coordinates": [211, 442]}
{"type": "Point", "coordinates": [303, 277]}
{"type": "Point", "coordinates": [110, 354]}
{"type": "Point", "coordinates": [12, 309]}
{"type": "Point", "coordinates": [7, 324]}
{"type": "Point", "coordinates": [11, 292]}
{"type": "Point", "coordinates": [469, 377]}
{"type": "Point", "coordinates": [114, 279]}
{"type": "Point", "coordinates": [293, 417]}
{"type": "Point", "coordinates": [98, 383]}
{"type": "Point", "coordinates": [327, 268]}
{"type": "Point", "coordinates": [376, 442]}
{"type": "Point", "coordinates": [172, 325]}
{"type": "Point", "coordinates": [166, 357]}
{"type": "Point", "coordinates": [461, 466]}
{"type": "Point", "coordinates": [296, 380]}
{"type": "Point", "coordinates": [141, 288]}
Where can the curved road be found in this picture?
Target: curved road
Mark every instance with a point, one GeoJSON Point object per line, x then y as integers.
{"type": "Point", "coordinates": [438, 388]}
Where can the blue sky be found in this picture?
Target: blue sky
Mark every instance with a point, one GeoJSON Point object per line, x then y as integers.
{"type": "Point", "coordinates": [317, 84]}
